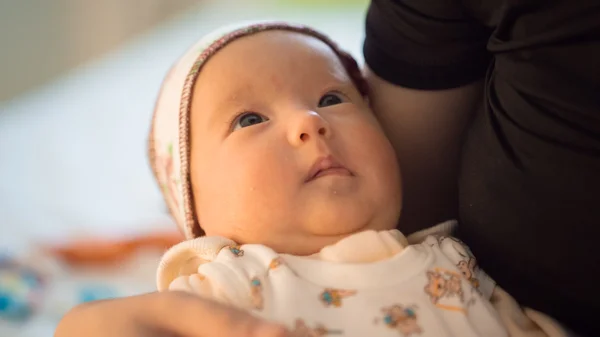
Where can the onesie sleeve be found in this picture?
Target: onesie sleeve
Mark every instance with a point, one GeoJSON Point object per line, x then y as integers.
{"type": "Point", "coordinates": [457, 252]}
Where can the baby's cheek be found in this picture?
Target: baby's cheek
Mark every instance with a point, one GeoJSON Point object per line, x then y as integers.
{"type": "Point", "coordinates": [375, 147]}
{"type": "Point", "coordinates": [257, 181]}
{"type": "Point", "coordinates": [249, 172]}
{"type": "Point", "coordinates": [377, 159]}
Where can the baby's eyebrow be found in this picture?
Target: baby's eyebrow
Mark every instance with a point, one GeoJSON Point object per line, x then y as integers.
{"type": "Point", "coordinates": [338, 82]}
{"type": "Point", "coordinates": [231, 100]}
{"type": "Point", "coordinates": [226, 107]}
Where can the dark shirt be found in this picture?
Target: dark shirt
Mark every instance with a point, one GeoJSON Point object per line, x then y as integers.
{"type": "Point", "coordinates": [529, 182]}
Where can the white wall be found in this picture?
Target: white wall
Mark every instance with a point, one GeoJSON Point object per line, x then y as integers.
{"type": "Point", "coordinates": [40, 39]}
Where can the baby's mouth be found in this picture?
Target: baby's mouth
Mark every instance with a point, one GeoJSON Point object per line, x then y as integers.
{"type": "Point", "coordinates": [325, 166]}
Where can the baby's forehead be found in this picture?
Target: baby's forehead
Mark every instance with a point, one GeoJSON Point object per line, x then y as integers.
{"type": "Point", "coordinates": [266, 66]}
{"type": "Point", "coordinates": [285, 52]}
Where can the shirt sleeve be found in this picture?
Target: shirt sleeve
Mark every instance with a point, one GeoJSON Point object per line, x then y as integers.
{"type": "Point", "coordinates": [457, 252]}
{"type": "Point", "coordinates": [426, 45]}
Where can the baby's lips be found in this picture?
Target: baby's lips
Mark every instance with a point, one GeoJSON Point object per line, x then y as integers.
{"type": "Point", "coordinates": [326, 164]}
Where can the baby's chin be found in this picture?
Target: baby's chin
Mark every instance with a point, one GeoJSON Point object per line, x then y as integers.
{"type": "Point", "coordinates": [304, 245]}
{"type": "Point", "coordinates": [302, 239]}
{"type": "Point", "coordinates": [311, 242]}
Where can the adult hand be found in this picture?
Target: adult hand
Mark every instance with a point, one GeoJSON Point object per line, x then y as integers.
{"type": "Point", "coordinates": [165, 314]}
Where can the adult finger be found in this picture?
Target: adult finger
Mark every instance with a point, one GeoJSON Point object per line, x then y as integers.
{"type": "Point", "coordinates": [191, 316]}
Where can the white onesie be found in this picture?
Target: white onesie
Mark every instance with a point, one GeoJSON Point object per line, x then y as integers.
{"type": "Point", "coordinates": [369, 284]}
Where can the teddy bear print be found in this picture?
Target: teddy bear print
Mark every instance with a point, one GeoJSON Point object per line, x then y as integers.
{"type": "Point", "coordinates": [403, 319]}
{"type": "Point", "coordinates": [333, 297]}
{"type": "Point", "coordinates": [467, 268]}
{"type": "Point", "coordinates": [303, 330]}
{"type": "Point", "coordinates": [236, 250]}
{"type": "Point", "coordinates": [443, 284]}
{"type": "Point", "coordinates": [276, 262]}
{"type": "Point", "coordinates": [256, 295]}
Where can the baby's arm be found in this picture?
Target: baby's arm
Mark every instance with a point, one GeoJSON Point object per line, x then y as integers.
{"type": "Point", "coordinates": [517, 320]}
{"type": "Point", "coordinates": [458, 253]}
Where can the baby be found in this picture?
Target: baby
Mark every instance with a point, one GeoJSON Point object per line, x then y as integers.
{"type": "Point", "coordinates": [277, 171]}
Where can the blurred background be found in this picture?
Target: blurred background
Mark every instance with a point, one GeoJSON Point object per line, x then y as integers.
{"type": "Point", "coordinates": [80, 215]}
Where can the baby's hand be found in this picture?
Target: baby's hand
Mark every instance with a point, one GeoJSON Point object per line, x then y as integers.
{"type": "Point", "coordinates": [163, 315]}
{"type": "Point", "coordinates": [195, 284]}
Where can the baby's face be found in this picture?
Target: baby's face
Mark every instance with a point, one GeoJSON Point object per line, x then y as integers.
{"type": "Point", "coordinates": [284, 150]}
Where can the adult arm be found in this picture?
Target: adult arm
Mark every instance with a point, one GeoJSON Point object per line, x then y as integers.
{"type": "Point", "coordinates": [424, 64]}
{"type": "Point", "coordinates": [425, 128]}
{"type": "Point", "coordinates": [163, 315]}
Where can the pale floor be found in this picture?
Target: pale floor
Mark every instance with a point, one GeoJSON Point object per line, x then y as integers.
{"type": "Point", "coordinates": [73, 153]}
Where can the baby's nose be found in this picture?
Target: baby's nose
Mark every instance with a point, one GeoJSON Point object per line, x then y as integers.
{"type": "Point", "coordinates": [308, 126]}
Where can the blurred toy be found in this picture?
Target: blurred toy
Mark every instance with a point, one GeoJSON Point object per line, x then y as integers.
{"type": "Point", "coordinates": [97, 292]}
{"type": "Point", "coordinates": [51, 279]}
{"type": "Point", "coordinates": [21, 290]}
{"type": "Point", "coordinates": [100, 252]}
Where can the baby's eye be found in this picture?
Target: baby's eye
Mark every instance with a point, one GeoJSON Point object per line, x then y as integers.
{"type": "Point", "coordinates": [248, 119]}
{"type": "Point", "coordinates": [330, 99]}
